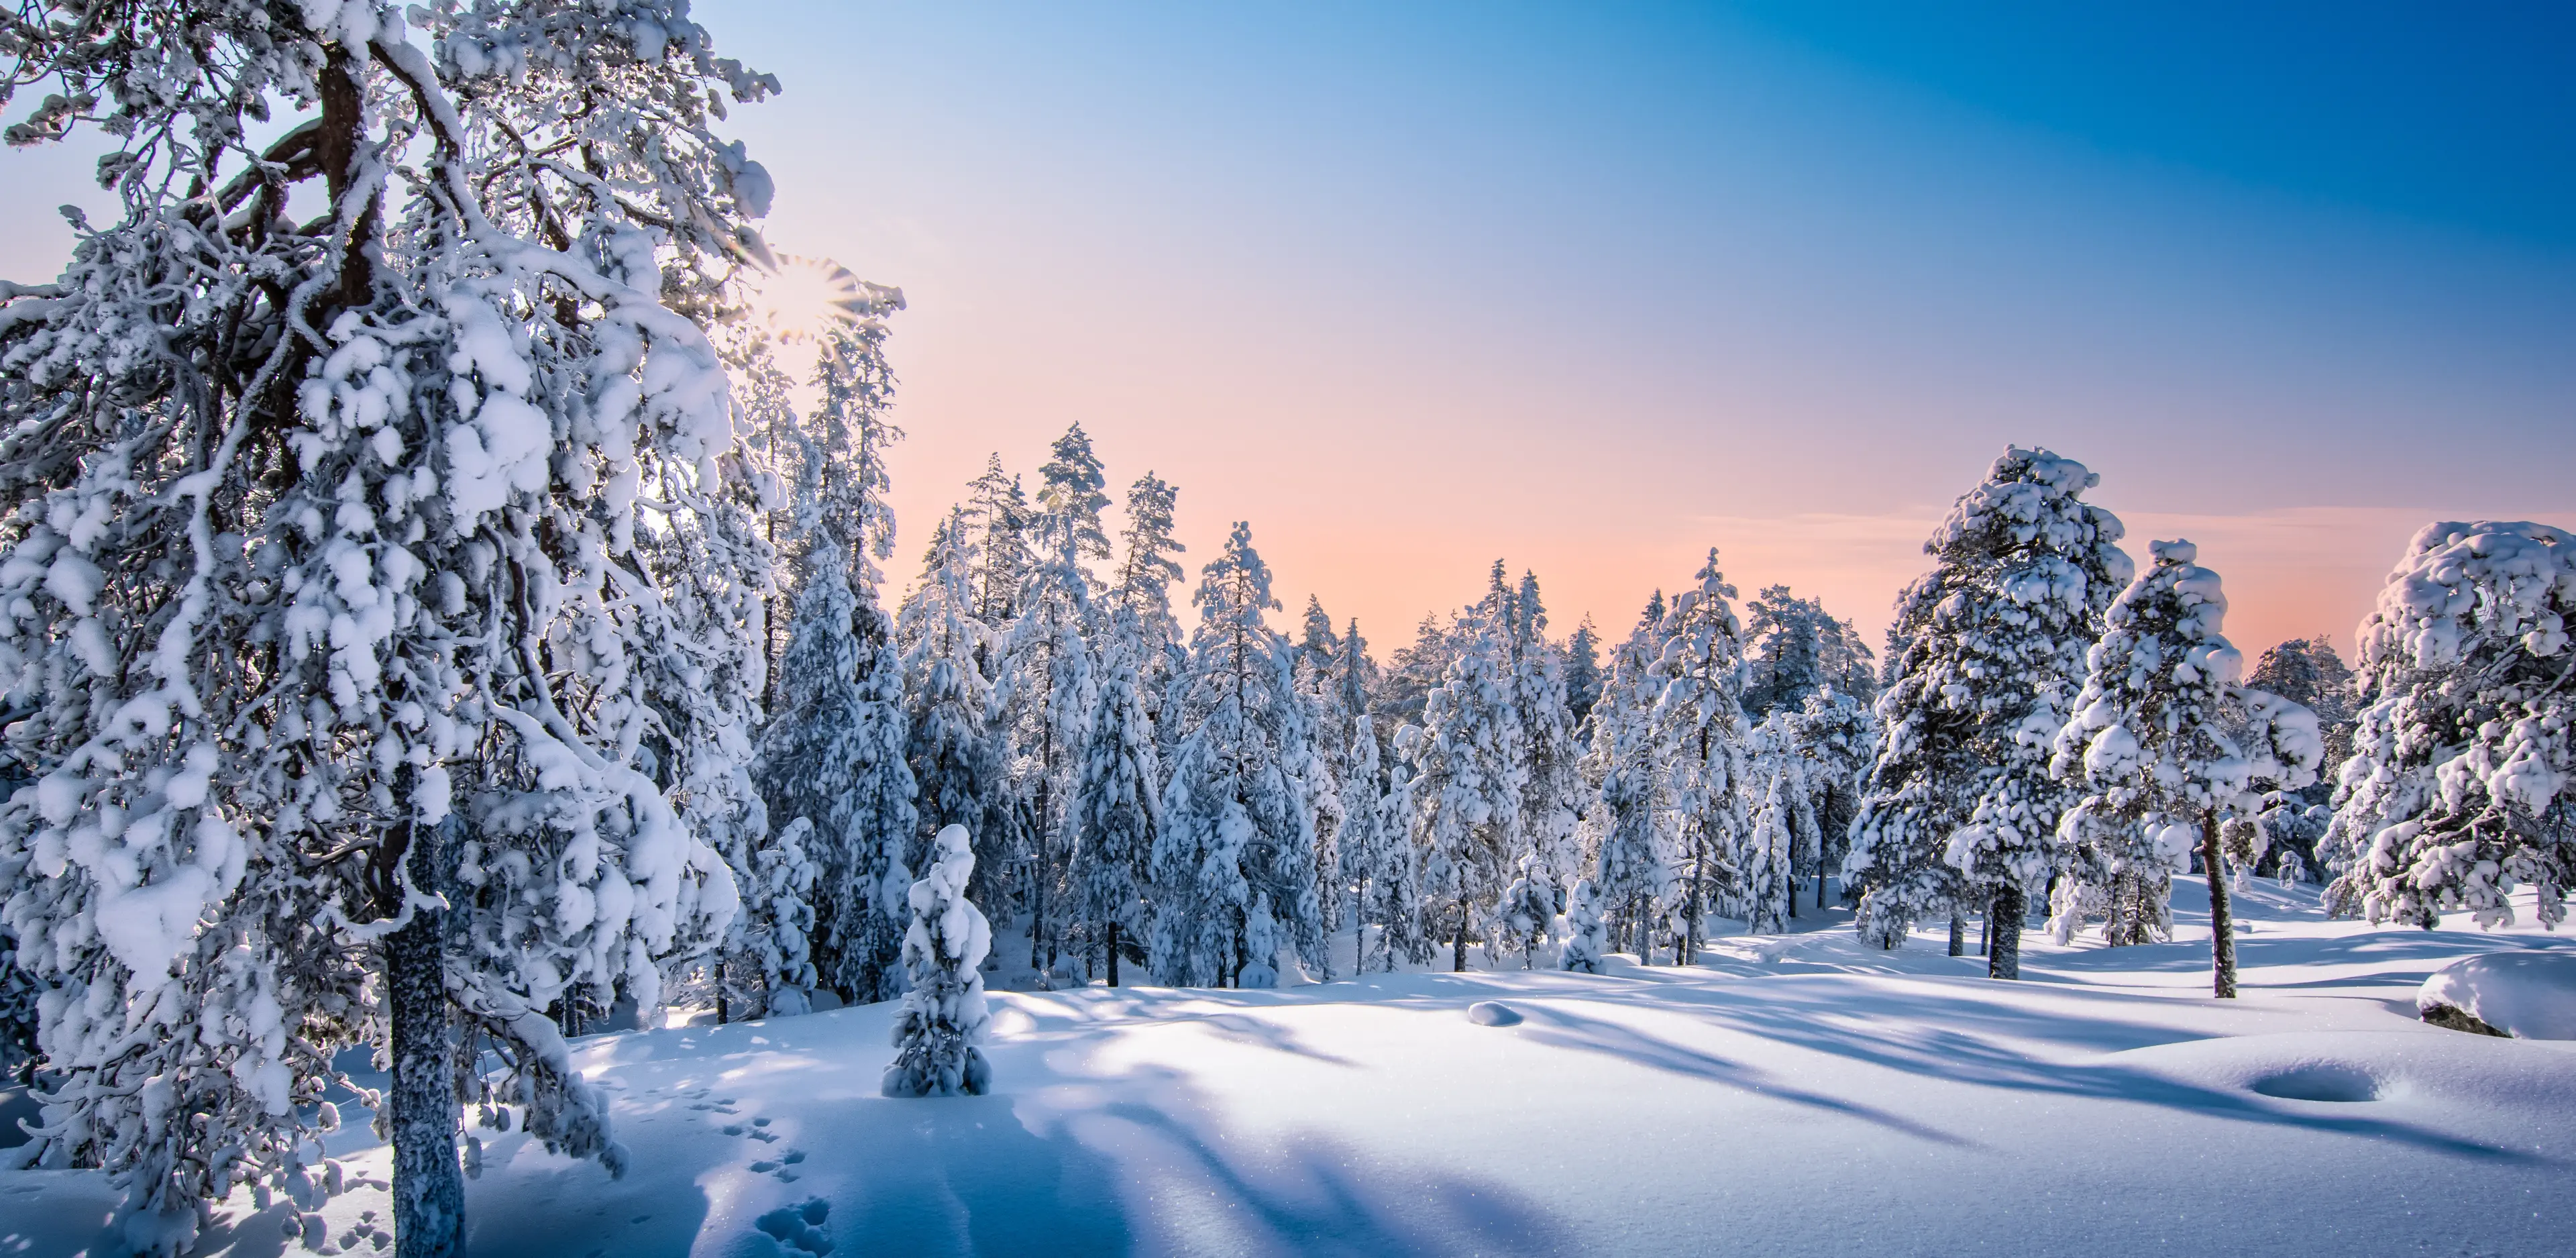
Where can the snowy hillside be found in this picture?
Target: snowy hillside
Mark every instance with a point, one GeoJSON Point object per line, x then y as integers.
{"type": "Point", "coordinates": [1793, 1095]}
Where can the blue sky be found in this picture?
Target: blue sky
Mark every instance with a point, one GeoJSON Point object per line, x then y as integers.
{"type": "Point", "coordinates": [1595, 287]}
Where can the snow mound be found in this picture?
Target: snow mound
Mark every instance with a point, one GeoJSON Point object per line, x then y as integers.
{"type": "Point", "coordinates": [2527, 995]}
{"type": "Point", "coordinates": [1492, 1013]}
{"type": "Point", "coordinates": [2414, 1069]}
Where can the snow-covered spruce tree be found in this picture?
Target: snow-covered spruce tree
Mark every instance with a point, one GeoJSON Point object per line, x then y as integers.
{"type": "Point", "coordinates": [1700, 733]}
{"type": "Point", "coordinates": [1238, 815]}
{"type": "Point", "coordinates": [2457, 790]}
{"type": "Point", "coordinates": [1627, 820]}
{"type": "Point", "coordinates": [1468, 770]}
{"type": "Point", "coordinates": [2148, 742]}
{"type": "Point", "coordinates": [1526, 913]}
{"type": "Point", "coordinates": [1587, 933]}
{"type": "Point", "coordinates": [1361, 848]}
{"type": "Point", "coordinates": [1114, 806]}
{"type": "Point", "coordinates": [1769, 883]}
{"type": "Point", "coordinates": [1413, 673]}
{"type": "Point", "coordinates": [2308, 672]}
{"type": "Point", "coordinates": [1393, 902]}
{"type": "Point", "coordinates": [1798, 648]}
{"type": "Point", "coordinates": [327, 585]}
{"type": "Point", "coordinates": [1047, 696]}
{"type": "Point", "coordinates": [1985, 651]}
{"type": "Point", "coordinates": [778, 912]}
{"type": "Point", "coordinates": [1582, 671]}
{"type": "Point", "coordinates": [1551, 776]}
{"type": "Point", "coordinates": [954, 754]}
{"type": "Point", "coordinates": [1142, 586]}
{"type": "Point", "coordinates": [1318, 657]}
{"type": "Point", "coordinates": [944, 1018]}
{"type": "Point", "coordinates": [1835, 737]}
{"type": "Point", "coordinates": [833, 756]}
{"type": "Point", "coordinates": [996, 520]}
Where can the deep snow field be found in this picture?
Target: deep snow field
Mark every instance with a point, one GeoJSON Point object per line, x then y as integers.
{"type": "Point", "coordinates": [1792, 1095]}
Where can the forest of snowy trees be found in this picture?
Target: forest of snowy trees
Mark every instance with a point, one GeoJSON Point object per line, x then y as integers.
{"type": "Point", "coordinates": [452, 624]}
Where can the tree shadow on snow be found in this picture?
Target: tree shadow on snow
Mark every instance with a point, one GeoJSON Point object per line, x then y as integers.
{"type": "Point", "coordinates": [1149, 1171]}
{"type": "Point", "coordinates": [1887, 1035]}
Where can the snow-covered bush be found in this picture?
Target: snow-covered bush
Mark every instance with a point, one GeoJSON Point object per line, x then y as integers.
{"type": "Point", "coordinates": [1526, 912]}
{"type": "Point", "coordinates": [777, 921]}
{"type": "Point", "coordinates": [2166, 745]}
{"type": "Point", "coordinates": [944, 1018]}
{"type": "Point", "coordinates": [2458, 786]}
{"type": "Point", "coordinates": [1587, 935]}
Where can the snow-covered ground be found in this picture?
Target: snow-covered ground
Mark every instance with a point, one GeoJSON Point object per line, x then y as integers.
{"type": "Point", "coordinates": [1796, 1095]}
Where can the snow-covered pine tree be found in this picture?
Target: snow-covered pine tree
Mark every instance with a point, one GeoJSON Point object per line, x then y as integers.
{"type": "Point", "coordinates": [1360, 850]}
{"type": "Point", "coordinates": [1413, 673]}
{"type": "Point", "coordinates": [1587, 932]}
{"type": "Point", "coordinates": [327, 585]}
{"type": "Point", "coordinates": [1985, 650]}
{"type": "Point", "coordinates": [1142, 585]}
{"type": "Point", "coordinates": [2457, 790]}
{"type": "Point", "coordinates": [955, 755]}
{"type": "Point", "coordinates": [1799, 649]}
{"type": "Point", "coordinates": [1317, 644]}
{"type": "Point", "coordinates": [1320, 668]}
{"type": "Point", "coordinates": [1699, 733]}
{"type": "Point", "coordinates": [1114, 806]}
{"type": "Point", "coordinates": [833, 756]}
{"type": "Point", "coordinates": [1468, 767]}
{"type": "Point", "coordinates": [1238, 817]}
{"type": "Point", "coordinates": [1047, 699]}
{"type": "Point", "coordinates": [1626, 820]}
{"type": "Point", "coordinates": [1551, 776]}
{"type": "Point", "coordinates": [2148, 742]}
{"type": "Point", "coordinates": [2309, 672]}
{"type": "Point", "coordinates": [996, 519]}
{"type": "Point", "coordinates": [944, 1018]}
{"type": "Point", "coordinates": [1526, 912]}
{"type": "Point", "coordinates": [1393, 901]}
{"type": "Point", "coordinates": [1071, 496]}
{"type": "Point", "coordinates": [778, 918]}
{"type": "Point", "coordinates": [1769, 882]}
{"type": "Point", "coordinates": [1835, 738]}
{"type": "Point", "coordinates": [1582, 671]}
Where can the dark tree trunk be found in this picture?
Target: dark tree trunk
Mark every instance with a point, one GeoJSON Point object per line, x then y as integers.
{"type": "Point", "coordinates": [1820, 893]}
{"type": "Point", "coordinates": [1113, 954]}
{"type": "Point", "coordinates": [2010, 906]}
{"type": "Point", "coordinates": [1986, 931]}
{"type": "Point", "coordinates": [1458, 950]}
{"type": "Point", "coordinates": [2222, 926]}
{"type": "Point", "coordinates": [1958, 935]}
{"type": "Point", "coordinates": [1689, 946]}
{"type": "Point", "coordinates": [429, 1182]}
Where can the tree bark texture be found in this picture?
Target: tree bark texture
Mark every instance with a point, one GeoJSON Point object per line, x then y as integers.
{"type": "Point", "coordinates": [429, 1182]}
{"type": "Point", "coordinates": [2009, 909]}
{"type": "Point", "coordinates": [2222, 924]}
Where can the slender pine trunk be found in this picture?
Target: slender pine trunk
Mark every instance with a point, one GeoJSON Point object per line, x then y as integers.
{"type": "Point", "coordinates": [1958, 935]}
{"type": "Point", "coordinates": [1113, 954]}
{"type": "Point", "coordinates": [429, 1182]}
{"type": "Point", "coordinates": [1458, 950]}
{"type": "Point", "coordinates": [2222, 925]}
{"type": "Point", "coordinates": [2010, 906]}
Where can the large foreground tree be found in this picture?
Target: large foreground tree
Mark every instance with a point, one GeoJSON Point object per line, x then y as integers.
{"type": "Point", "coordinates": [2457, 788]}
{"type": "Point", "coordinates": [377, 584]}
